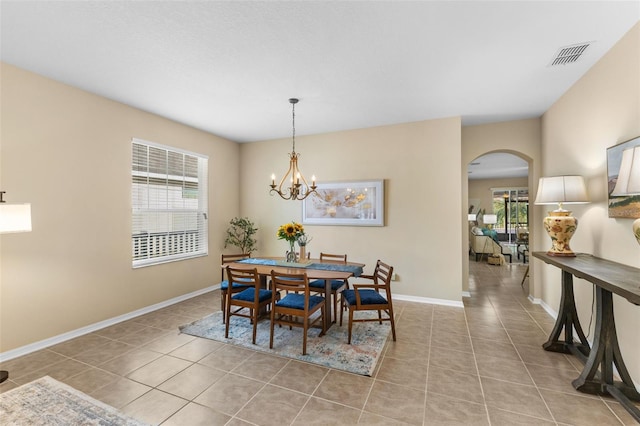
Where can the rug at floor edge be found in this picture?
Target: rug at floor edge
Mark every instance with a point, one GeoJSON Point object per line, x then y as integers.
{"type": "Point", "coordinates": [46, 401]}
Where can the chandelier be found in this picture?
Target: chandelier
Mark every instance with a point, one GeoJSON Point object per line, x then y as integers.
{"type": "Point", "coordinates": [299, 189]}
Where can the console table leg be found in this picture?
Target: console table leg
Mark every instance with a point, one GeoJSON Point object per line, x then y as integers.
{"type": "Point", "coordinates": [604, 354]}
{"type": "Point", "coordinates": [567, 320]}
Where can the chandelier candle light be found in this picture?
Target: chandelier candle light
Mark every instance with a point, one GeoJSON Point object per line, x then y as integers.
{"type": "Point", "coordinates": [559, 224]}
{"type": "Point", "coordinates": [299, 189]}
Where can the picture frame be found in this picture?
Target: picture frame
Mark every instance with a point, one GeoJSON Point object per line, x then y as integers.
{"type": "Point", "coordinates": [348, 203]}
{"type": "Point", "coordinates": [620, 206]}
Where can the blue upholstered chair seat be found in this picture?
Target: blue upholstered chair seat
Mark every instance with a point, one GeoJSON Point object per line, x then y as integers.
{"type": "Point", "coordinates": [249, 294]}
{"type": "Point", "coordinates": [296, 301]}
{"type": "Point", "coordinates": [319, 284]}
{"type": "Point", "coordinates": [224, 285]}
{"type": "Point", "coordinates": [367, 297]}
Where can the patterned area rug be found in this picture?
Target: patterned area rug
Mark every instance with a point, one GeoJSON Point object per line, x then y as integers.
{"type": "Point", "coordinates": [48, 402]}
{"type": "Point", "coordinates": [330, 350]}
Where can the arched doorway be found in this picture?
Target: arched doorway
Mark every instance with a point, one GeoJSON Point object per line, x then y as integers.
{"type": "Point", "coordinates": [499, 183]}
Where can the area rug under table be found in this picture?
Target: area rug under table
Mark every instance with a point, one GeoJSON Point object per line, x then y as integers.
{"type": "Point", "coordinates": [48, 402]}
{"type": "Point", "coordinates": [330, 350]}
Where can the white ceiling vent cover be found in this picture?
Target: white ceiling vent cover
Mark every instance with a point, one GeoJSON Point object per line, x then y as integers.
{"type": "Point", "coordinates": [569, 54]}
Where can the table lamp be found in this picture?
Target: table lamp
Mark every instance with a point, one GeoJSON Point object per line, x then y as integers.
{"type": "Point", "coordinates": [490, 220]}
{"type": "Point", "coordinates": [13, 218]}
{"type": "Point", "coordinates": [559, 223]}
{"type": "Point", "coordinates": [628, 183]}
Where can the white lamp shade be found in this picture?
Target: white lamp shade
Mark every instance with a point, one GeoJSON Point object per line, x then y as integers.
{"type": "Point", "coordinates": [490, 219]}
{"type": "Point", "coordinates": [562, 189]}
{"type": "Point", "coordinates": [628, 182]}
{"type": "Point", "coordinates": [15, 218]}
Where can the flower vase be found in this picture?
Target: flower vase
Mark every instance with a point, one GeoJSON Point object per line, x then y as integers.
{"type": "Point", "coordinates": [291, 254]}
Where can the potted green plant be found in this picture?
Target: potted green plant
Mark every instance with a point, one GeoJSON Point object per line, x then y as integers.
{"type": "Point", "coordinates": [240, 234]}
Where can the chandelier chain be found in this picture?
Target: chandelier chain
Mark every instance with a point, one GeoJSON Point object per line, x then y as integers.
{"type": "Point", "coordinates": [293, 119]}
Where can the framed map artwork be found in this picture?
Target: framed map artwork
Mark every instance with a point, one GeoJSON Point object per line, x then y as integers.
{"type": "Point", "coordinates": [354, 203]}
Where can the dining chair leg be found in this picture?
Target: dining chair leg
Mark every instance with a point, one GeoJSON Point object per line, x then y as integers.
{"type": "Point", "coordinates": [304, 334]}
{"type": "Point", "coordinates": [393, 325]}
{"type": "Point", "coordinates": [254, 318]}
{"type": "Point", "coordinates": [223, 294]}
{"type": "Point", "coordinates": [227, 318]}
{"type": "Point", "coordinates": [350, 325]}
{"type": "Point", "coordinates": [273, 318]}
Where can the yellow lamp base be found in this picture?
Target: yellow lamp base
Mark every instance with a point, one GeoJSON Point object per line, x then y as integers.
{"type": "Point", "coordinates": [560, 226]}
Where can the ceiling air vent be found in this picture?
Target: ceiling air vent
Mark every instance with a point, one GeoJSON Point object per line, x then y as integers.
{"type": "Point", "coordinates": [569, 54]}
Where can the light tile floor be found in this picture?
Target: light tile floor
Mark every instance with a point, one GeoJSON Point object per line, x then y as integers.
{"type": "Point", "coordinates": [479, 365]}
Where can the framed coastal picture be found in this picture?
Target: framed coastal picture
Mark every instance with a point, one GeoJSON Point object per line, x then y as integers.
{"type": "Point", "coordinates": [352, 203]}
{"type": "Point", "coordinates": [623, 196]}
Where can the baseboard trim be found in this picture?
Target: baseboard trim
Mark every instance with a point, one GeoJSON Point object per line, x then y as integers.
{"type": "Point", "coordinates": [428, 300]}
{"type": "Point", "coordinates": [43, 344]}
{"type": "Point", "coordinates": [548, 309]}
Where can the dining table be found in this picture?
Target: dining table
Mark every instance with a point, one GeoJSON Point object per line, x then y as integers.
{"type": "Point", "coordinates": [315, 269]}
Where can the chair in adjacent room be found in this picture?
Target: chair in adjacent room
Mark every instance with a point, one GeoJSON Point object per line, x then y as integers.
{"type": "Point", "coordinates": [367, 297]}
{"type": "Point", "coordinates": [224, 284]}
{"type": "Point", "coordinates": [249, 302]}
{"type": "Point", "coordinates": [297, 307]}
{"type": "Point", "coordinates": [337, 286]}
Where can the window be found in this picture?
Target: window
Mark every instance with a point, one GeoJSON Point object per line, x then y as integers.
{"type": "Point", "coordinates": [169, 204]}
{"type": "Point", "coordinates": [511, 205]}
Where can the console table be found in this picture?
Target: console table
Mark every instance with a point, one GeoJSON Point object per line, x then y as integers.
{"type": "Point", "coordinates": [608, 278]}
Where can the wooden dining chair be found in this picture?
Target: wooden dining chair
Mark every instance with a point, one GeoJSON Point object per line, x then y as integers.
{"type": "Point", "coordinates": [297, 307]}
{"type": "Point", "coordinates": [249, 302]}
{"type": "Point", "coordinates": [337, 286]}
{"type": "Point", "coordinates": [368, 297]}
{"type": "Point", "coordinates": [224, 284]}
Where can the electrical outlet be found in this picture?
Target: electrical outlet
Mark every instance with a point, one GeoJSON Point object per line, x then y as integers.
{"type": "Point", "coordinates": [394, 277]}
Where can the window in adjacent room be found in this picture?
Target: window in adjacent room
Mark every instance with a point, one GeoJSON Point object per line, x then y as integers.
{"type": "Point", "coordinates": [169, 204]}
{"type": "Point", "coordinates": [511, 205]}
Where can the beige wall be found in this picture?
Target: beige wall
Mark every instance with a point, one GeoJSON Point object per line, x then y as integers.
{"type": "Point", "coordinates": [68, 153]}
{"type": "Point", "coordinates": [521, 138]}
{"type": "Point", "coordinates": [420, 165]}
{"type": "Point", "coordinates": [601, 110]}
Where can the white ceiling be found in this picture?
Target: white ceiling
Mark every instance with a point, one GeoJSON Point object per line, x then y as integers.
{"type": "Point", "coordinates": [230, 67]}
{"type": "Point", "coordinates": [497, 165]}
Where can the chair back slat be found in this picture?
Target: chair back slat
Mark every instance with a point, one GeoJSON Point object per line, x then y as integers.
{"type": "Point", "coordinates": [383, 273]}
{"type": "Point", "coordinates": [245, 277]}
{"type": "Point", "coordinates": [334, 257]}
{"type": "Point", "coordinates": [289, 282]}
{"type": "Point", "coordinates": [230, 258]}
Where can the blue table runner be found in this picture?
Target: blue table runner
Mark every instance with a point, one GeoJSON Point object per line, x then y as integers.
{"type": "Point", "coordinates": [355, 270]}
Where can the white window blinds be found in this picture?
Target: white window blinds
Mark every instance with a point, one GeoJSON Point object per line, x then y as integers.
{"type": "Point", "coordinates": [169, 204]}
